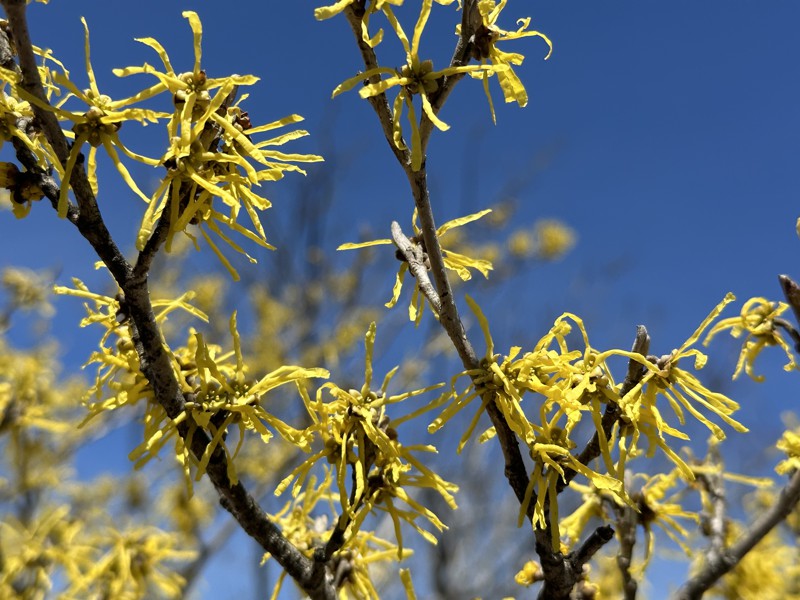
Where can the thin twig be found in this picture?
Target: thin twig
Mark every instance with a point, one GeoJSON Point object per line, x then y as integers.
{"type": "Point", "coordinates": [641, 345]}
{"type": "Point", "coordinates": [714, 521]}
{"type": "Point", "coordinates": [591, 546]}
{"type": "Point", "coordinates": [627, 521]}
{"type": "Point", "coordinates": [792, 292]}
{"type": "Point", "coordinates": [470, 20]}
{"type": "Point", "coordinates": [415, 257]}
{"type": "Point", "coordinates": [378, 102]}
{"type": "Point", "coordinates": [711, 572]}
{"type": "Point", "coordinates": [789, 329]}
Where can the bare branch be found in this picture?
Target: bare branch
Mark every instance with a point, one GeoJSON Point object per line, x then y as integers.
{"type": "Point", "coordinates": [792, 292]}
{"type": "Point", "coordinates": [599, 538]}
{"type": "Point", "coordinates": [715, 568]}
{"type": "Point", "coordinates": [154, 358]}
{"type": "Point", "coordinates": [627, 521]}
{"type": "Point", "coordinates": [714, 523]}
{"type": "Point", "coordinates": [415, 257]}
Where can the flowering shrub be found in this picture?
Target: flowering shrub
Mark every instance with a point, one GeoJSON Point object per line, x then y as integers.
{"type": "Point", "coordinates": [578, 436]}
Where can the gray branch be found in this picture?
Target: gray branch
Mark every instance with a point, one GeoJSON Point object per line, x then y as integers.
{"type": "Point", "coordinates": [415, 257]}
{"type": "Point", "coordinates": [721, 564]}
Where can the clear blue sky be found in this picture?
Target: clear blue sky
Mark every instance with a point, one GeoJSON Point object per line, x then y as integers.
{"type": "Point", "coordinates": [671, 132]}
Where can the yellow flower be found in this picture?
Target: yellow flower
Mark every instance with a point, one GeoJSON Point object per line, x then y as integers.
{"type": "Point", "coordinates": [117, 362]}
{"type": "Point", "coordinates": [417, 76]}
{"type": "Point", "coordinates": [220, 395]}
{"type": "Point", "coordinates": [98, 125]}
{"type": "Point", "coordinates": [34, 549]}
{"type": "Point", "coordinates": [530, 573]}
{"type": "Point", "coordinates": [27, 290]}
{"type": "Point", "coordinates": [790, 445]}
{"type": "Point", "coordinates": [211, 155]}
{"type": "Point", "coordinates": [574, 384]}
{"type": "Point", "coordinates": [554, 239]}
{"type": "Point", "coordinates": [373, 469]}
{"type": "Point", "coordinates": [136, 561]}
{"type": "Point", "coordinates": [682, 390]}
{"type": "Point", "coordinates": [326, 12]}
{"type": "Point", "coordinates": [573, 525]}
{"type": "Point", "coordinates": [654, 507]}
{"type": "Point", "coordinates": [485, 48]}
{"type": "Point", "coordinates": [549, 240]}
{"type": "Point", "coordinates": [373, 6]}
{"type": "Point", "coordinates": [758, 319]}
{"type": "Point", "coordinates": [304, 521]}
{"type": "Point", "coordinates": [11, 111]}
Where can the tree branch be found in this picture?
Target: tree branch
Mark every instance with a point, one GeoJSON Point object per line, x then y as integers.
{"type": "Point", "coordinates": [515, 469]}
{"type": "Point", "coordinates": [415, 257]}
{"type": "Point", "coordinates": [716, 567]}
{"type": "Point", "coordinates": [378, 102]}
{"type": "Point", "coordinates": [792, 293]}
{"type": "Point", "coordinates": [599, 538]}
{"type": "Point", "coordinates": [561, 573]}
{"type": "Point", "coordinates": [470, 21]}
{"type": "Point", "coordinates": [714, 523]}
{"type": "Point", "coordinates": [87, 218]}
{"type": "Point", "coordinates": [627, 521]}
{"type": "Point", "coordinates": [153, 355]}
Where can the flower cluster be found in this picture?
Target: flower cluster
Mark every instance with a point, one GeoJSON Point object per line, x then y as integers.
{"type": "Point", "coordinates": [218, 391]}
{"type": "Point", "coordinates": [305, 522]}
{"type": "Point", "coordinates": [758, 318]}
{"type": "Point", "coordinates": [108, 564]}
{"type": "Point", "coordinates": [416, 77]}
{"type": "Point", "coordinates": [116, 359]}
{"type": "Point", "coordinates": [575, 385]}
{"type": "Point", "coordinates": [372, 468]}
{"type": "Point", "coordinates": [789, 444]}
{"type": "Point", "coordinates": [213, 162]}
{"type": "Point", "coordinates": [549, 240]}
{"type": "Point", "coordinates": [419, 77]}
{"type": "Point", "coordinates": [484, 48]}
{"type": "Point", "coordinates": [220, 394]}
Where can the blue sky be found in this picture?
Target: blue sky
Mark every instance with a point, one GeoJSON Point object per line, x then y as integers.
{"type": "Point", "coordinates": [669, 128]}
{"type": "Point", "coordinates": [670, 132]}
